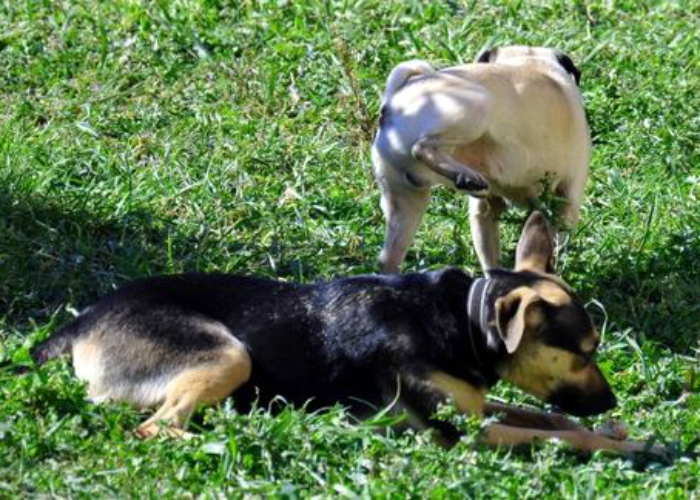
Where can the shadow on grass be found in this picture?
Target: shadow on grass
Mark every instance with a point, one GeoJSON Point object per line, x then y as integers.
{"type": "Point", "coordinates": [54, 252]}
{"type": "Point", "coordinates": [656, 293]}
{"type": "Point", "coordinates": [52, 255]}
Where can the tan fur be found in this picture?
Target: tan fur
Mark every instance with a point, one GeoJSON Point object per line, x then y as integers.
{"type": "Point", "coordinates": [207, 384]}
{"type": "Point", "coordinates": [589, 343]}
{"type": "Point", "coordinates": [88, 366]}
{"type": "Point", "coordinates": [527, 317]}
{"type": "Point", "coordinates": [535, 247]}
{"type": "Point", "coordinates": [510, 124]}
{"type": "Point", "coordinates": [467, 398]}
{"type": "Point", "coordinates": [581, 439]}
{"type": "Point", "coordinates": [530, 264]}
{"type": "Point", "coordinates": [540, 369]}
{"type": "Point", "coordinates": [552, 293]}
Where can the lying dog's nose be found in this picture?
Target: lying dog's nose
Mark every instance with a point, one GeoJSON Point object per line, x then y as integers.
{"type": "Point", "coordinates": [607, 401]}
{"type": "Point", "coordinates": [573, 400]}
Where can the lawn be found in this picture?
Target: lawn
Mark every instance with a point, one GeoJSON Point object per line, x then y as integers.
{"type": "Point", "coordinates": [147, 137]}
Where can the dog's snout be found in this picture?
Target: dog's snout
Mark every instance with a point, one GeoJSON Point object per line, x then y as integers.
{"type": "Point", "coordinates": [606, 401]}
{"type": "Point", "coordinates": [577, 402]}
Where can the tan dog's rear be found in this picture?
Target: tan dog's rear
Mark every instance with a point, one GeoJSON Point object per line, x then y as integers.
{"type": "Point", "coordinates": [498, 129]}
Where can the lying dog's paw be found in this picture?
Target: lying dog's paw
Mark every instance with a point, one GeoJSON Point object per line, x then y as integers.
{"type": "Point", "coordinates": [474, 184]}
{"type": "Point", "coordinates": [614, 429]}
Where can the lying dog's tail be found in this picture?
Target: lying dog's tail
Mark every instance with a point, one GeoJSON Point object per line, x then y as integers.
{"type": "Point", "coordinates": [58, 344]}
{"type": "Point", "coordinates": [61, 342]}
{"type": "Point", "coordinates": [400, 75]}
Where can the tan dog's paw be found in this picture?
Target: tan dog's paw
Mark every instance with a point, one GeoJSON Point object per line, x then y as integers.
{"type": "Point", "coordinates": [146, 431]}
{"type": "Point", "coordinates": [152, 430]}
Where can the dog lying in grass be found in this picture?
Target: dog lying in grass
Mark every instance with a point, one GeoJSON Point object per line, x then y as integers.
{"type": "Point", "coordinates": [498, 130]}
{"type": "Point", "coordinates": [417, 340]}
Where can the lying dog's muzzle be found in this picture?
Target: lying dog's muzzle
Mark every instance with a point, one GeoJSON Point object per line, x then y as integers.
{"type": "Point", "coordinates": [574, 401]}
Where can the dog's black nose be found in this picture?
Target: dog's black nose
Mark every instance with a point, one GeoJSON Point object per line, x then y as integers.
{"type": "Point", "coordinates": [577, 402]}
{"type": "Point", "coordinates": [472, 182]}
{"type": "Point", "coordinates": [606, 401]}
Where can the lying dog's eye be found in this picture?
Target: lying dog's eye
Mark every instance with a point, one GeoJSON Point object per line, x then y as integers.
{"type": "Point", "coordinates": [588, 358]}
{"type": "Point", "coordinates": [582, 360]}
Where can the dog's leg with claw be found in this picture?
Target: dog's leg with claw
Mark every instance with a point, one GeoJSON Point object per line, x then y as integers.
{"type": "Point", "coordinates": [483, 218]}
{"type": "Point", "coordinates": [426, 151]}
{"type": "Point", "coordinates": [207, 384]}
{"type": "Point", "coordinates": [580, 439]}
{"type": "Point", "coordinates": [403, 208]}
{"type": "Point", "coordinates": [524, 425]}
{"type": "Point", "coordinates": [530, 417]}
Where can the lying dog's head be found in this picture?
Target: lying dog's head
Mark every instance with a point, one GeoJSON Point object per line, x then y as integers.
{"type": "Point", "coordinates": [518, 54]}
{"type": "Point", "coordinates": [549, 339]}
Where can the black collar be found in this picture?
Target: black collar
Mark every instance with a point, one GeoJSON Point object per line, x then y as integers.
{"type": "Point", "coordinates": [478, 312]}
{"type": "Point", "coordinates": [477, 309]}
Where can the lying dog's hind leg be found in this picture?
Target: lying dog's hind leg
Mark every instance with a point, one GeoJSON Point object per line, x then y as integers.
{"type": "Point", "coordinates": [463, 177]}
{"type": "Point", "coordinates": [208, 383]}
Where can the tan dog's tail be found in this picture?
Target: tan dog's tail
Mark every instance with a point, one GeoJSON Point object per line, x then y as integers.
{"type": "Point", "coordinates": [400, 75]}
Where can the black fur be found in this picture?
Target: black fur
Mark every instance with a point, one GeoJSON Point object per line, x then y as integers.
{"type": "Point", "coordinates": [342, 341]}
{"type": "Point", "coordinates": [486, 56]}
{"type": "Point", "coordinates": [566, 63]}
{"type": "Point", "coordinates": [359, 341]}
{"type": "Point", "coordinates": [570, 398]}
{"type": "Point", "coordinates": [59, 343]}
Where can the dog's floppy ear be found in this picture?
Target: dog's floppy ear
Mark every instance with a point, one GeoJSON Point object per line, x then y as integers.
{"type": "Point", "coordinates": [566, 63]}
{"type": "Point", "coordinates": [515, 313]}
{"type": "Point", "coordinates": [536, 246]}
{"type": "Point", "coordinates": [487, 56]}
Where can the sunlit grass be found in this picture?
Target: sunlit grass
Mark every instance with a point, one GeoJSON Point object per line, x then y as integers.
{"type": "Point", "coordinates": [138, 138]}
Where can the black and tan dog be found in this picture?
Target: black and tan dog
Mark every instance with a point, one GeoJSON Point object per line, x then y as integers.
{"type": "Point", "coordinates": [419, 339]}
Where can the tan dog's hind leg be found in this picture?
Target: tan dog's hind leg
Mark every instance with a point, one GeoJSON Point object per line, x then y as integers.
{"type": "Point", "coordinates": [572, 194]}
{"type": "Point", "coordinates": [427, 152]}
{"type": "Point", "coordinates": [206, 384]}
{"type": "Point", "coordinates": [483, 218]}
{"type": "Point", "coordinates": [403, 209]}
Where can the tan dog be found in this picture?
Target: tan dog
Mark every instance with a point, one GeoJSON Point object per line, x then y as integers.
{"type": "Point", "coordinates": [498, 129]}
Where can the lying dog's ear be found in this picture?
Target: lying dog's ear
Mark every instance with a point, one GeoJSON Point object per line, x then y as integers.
{"type": "Point", "coordinates": [487, 56]}
{"type": "Point", "coordinates": [515, 313]}
{"type": "Point", "coordinates": [536, 246]}
{"type": "Point", "coordinates": [566, 63]}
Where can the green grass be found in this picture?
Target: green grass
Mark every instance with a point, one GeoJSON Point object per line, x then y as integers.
{"type": "Point", "coordinates": [147, 137]}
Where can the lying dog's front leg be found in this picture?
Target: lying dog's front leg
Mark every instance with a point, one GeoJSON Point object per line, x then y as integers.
{"type": "Point", "coordinates": [530, 417]}
{"type": "Point", "coordinates": [580, 439]}
{"type": "Point", "coordinates": [423, 396]}
{"type": "Point", "coordinates": [463, 177]}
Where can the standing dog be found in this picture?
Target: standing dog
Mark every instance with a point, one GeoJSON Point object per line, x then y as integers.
{"type": "Point", "coordinates": [419, 339]}
{"type": "Point", "coordinates": [498, 129]}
